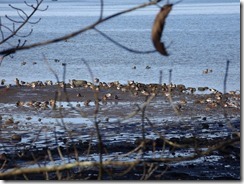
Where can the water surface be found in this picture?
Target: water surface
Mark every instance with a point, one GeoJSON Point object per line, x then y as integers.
{"type": "Point", "coordinates": [199, 35]}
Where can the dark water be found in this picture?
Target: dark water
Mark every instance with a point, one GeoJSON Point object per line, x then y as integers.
{"type": "Point", "coordinates": [199, 35]}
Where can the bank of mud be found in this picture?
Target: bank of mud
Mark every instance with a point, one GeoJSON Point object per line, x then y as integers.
{"type": "Point", "coordinates": [41, 123]}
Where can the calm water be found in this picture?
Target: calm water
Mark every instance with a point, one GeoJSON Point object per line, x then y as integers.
{"type": "Point", "coordinates": [200, 35]}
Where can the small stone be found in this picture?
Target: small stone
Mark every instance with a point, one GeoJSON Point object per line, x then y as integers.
{"type": "Point", "coordinates": [28, 118]}
{"type": "Point", "coordinates": [220, 124]}
{"type": "Point", "coordinates": [205, 126]}
{"type": "Point", "coordinates": [204, 118]}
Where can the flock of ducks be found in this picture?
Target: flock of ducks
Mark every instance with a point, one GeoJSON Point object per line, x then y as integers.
{"type": "Point", "coordinates": [134, 88]}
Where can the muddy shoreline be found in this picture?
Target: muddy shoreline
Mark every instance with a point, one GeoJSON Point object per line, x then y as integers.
{"type": "Point", "coordinates": [50, 118]}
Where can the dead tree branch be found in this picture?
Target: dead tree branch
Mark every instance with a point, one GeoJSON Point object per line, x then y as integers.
{"type": "Point", "coordinates": [89, 27]}
{"type": "Point", "coordinates": [8, 32]}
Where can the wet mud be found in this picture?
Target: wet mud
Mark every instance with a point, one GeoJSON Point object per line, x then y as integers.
{"type": "Point", "coordinates": [46, 125]}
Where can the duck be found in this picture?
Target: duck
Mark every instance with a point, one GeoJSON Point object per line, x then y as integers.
{"type": "Point", "coordinates": [19, 103]}
{"type": "Point", "coordinates": [23, 63]}
{"type": "Point", "coordinates": [108, 95]}
{"type": "Point", "coordinates": [52, 103]}
{"type": "Point", "coordinates": [3, 81]}
{"type": "Point", "coordinates": [17, 82]}
{"type": "Point", "coordinates": [183, 101]}
{"type": "Point", "coordinates": [16, 137]}
{"type": "Point", "coordinates": [22, 83]}
{"type": "Point", "coordinates": [191, 89]}
{"type": "Point", "coordinates": [144, 92]}
{"type": "Point", "coordinates": [9, 121]}
{"type": "Point", "coordinates": [48, 83]}
{"type": "Point", "coordinates": [78, 95]}
{"type": "Point", "coordinates": [104, 98]}
{"type": "Point", "coordinates": [214, 91]}
{"type": "Point", "coordinates": [86, 103]}
{"type": "Point", "coordinates": [116, 97]}
{"type": "Point", "coordinates": [96, 80]}
{"type": "Point", "coordinates": [206, 71]}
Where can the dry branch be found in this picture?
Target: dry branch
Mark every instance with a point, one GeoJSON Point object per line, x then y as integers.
{"type": "Point", "coordinates": [85, 164]}
{"type": "Point", "coordinates": [68, 36]}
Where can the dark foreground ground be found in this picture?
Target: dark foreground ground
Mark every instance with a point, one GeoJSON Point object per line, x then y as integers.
{"type": "Point", "coordinates": [169, 132]}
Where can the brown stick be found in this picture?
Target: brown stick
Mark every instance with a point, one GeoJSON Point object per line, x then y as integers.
{"type": "Point", "coordinates": [158, 27]}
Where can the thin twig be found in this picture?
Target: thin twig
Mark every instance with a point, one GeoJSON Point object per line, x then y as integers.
{"type": "Point", "coordinates": [101, 10]}
{"type": "Point", "coordinates": [210, 150]}
{"type": "Point", "coordinates": [122, 46]}
{"type": "Point", "coordinates": [226, 75]}
{"type": "Point", "coordinates": [14, 31]}
{"type": "Point", "coordinates": [96, 123]}
{"type": "Point", "coordinates": [55, 40]}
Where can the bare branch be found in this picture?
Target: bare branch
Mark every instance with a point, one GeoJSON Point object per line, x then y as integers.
{"type": "Point", "coordinates": [15, 31]}
{"type": "Point", "coordinates": [226, 74]}
{"type": "Point", "coordinates": [122, 46]}
{"type": "Point", "coordinates": [55, 40]}
{"type": "Point", "coordinates": [24, 36]}
{"type": "Point", "coordinates": [101, 11]}
{"type": "Point", "coordinates": [2, 35]}
{"type": "Point", "coordinates": [96, 123]}
{"type": "Point", "coordinates": [19, 10]}
{"type": "Point", "coordinates": [33, 7]}
{"type": "Point", "coordinates": [211, 149]}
